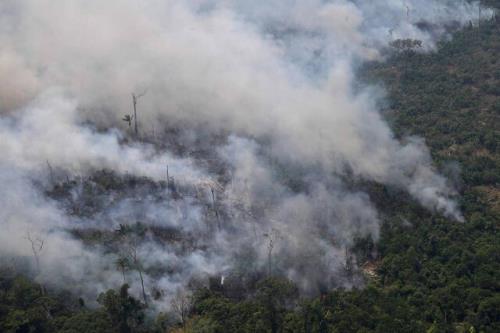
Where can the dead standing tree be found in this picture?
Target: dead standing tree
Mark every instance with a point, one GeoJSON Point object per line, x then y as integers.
{"type": "Point", "coordinates": [181, 305]}
{"type": "Point", "coordinates": [171, 182]}
{"type": "Point", "coordinates": [133, 256]}
{"type": "Point", "coordinates": [349, 262]}
{"type": "Point", "coordinates": [130, 256]}
{"type": "Point", "coordinates": [51, 173]}
{"type": "Point", "coordinates": [479, 16]}
{"type": "Point", "coordinates": [135, 99]}
{"type": "Point", "coordinates": [138, 267]}
{"type": "Point", "coordinates": [214, 206]}
{"type": "Point", "coordinates": [36, 247]}
{"type": "Point", "coordinates": [273, 236]}
{"type": "Point", "coordinates": [213, 188]}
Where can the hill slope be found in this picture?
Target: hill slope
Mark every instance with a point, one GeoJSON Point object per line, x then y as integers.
{"type": "Point", "coordinates": [426, 274]}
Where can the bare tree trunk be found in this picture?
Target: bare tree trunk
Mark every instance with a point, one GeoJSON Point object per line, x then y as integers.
{"type": "Point", "coordinates": [479, 16]}
{"type": "Point", "coordinates": [36, 247]}
{"type": "Point", "coordinates": [51, 173]}
{"type": "Point", "coordinates": [181, 304]}
{"type": "Point", "coordinates": [134, 101]}
{"type": "Point", "coordinates": [269, 260]}
{"type": "Point", "coordinates": [215, 208]}
{"type": "Point", "coordinates": [142, 285]}
{"type": "Point", "coordinates": [138, 267]}
{"type": "Point", "coordinates": [273, 236]}
{"type": "Point", "coordinates": [168, 179]}
{"type": "Point", "coordinates": [135, 98]}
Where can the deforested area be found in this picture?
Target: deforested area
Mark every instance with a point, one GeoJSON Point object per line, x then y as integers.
{"type": "Point", "coordinates": [249, 166]}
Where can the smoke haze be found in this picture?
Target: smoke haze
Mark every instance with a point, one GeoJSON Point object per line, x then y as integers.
{"type": "Point", "coordinates": [261, 95]}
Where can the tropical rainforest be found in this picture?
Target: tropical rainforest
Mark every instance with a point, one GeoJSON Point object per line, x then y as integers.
{"type": "Point", "coordinates": [284, 245]}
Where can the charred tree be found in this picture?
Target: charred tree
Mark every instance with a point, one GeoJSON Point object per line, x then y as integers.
{"type": "Point", "coordinates": [135, 99]}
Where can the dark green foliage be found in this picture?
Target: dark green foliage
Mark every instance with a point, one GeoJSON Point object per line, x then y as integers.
{"type": "Point", "coordinates": [432, 274]}
{"type": "Point", "coordinates": [25, 307]}
{"type": "Point", "coordinates": [266, 311]}
{"type": "Point", "coordinates": [435, 275]}
{"type": "Point", "coordinates": [124, 312]}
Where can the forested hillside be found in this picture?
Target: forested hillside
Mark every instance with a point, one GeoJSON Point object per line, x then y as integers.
{"type": "Point", "coordinates": [426, 273]}
{"type": "Point", "coordinates": [431, 275]}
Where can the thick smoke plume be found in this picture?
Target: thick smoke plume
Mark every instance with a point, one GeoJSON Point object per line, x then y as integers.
{"type": "Point", "coordinates": [253, 107]}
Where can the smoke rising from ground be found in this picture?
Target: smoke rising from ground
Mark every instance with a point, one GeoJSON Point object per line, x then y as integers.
{"type": "Point", "coordinates": [276, 78]}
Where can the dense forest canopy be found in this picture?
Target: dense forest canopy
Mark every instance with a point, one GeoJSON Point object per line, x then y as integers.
{"type": "Point", "coordinates": [258, 172]}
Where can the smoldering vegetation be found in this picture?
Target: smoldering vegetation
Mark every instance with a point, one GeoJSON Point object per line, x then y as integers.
{"type": "Point", "coordinates": [253, 137]}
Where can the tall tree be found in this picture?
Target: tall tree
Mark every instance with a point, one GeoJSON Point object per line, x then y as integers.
{"type": "Point", "coordinates": [135, 99]}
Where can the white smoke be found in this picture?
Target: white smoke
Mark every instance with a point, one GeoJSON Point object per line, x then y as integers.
{"type": "Point", "coordinates": [48, 130]}
{"type": "Point", "coordinates": [276, 77]}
